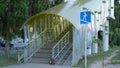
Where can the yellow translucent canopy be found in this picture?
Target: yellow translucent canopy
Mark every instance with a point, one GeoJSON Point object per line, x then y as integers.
{"type": "Point", "coordinates": [69, 10]}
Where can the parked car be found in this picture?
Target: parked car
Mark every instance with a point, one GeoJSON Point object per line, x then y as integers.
{"type": "Point", "coordinates": [18, 42]}
{"type": "Point", "coordinates": [3, 42]}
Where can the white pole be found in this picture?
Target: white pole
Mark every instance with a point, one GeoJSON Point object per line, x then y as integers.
{"type": "Point", "coordinates": [96, 36]}
{"type": "Point", "coordinates": [85, 46]}
{"type": "Point", "coordinates": [25, 34]}
{"type": "Point", "coordinates": [106, 37]}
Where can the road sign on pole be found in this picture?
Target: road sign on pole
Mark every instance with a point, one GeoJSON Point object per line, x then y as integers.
{"type": "Point", "coordinates": [85, 18]}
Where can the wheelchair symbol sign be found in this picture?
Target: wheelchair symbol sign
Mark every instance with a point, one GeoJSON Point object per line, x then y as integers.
{"type": "Point", "coordinates": [85, 17]}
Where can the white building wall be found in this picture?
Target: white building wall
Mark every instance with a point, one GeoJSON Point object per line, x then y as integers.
{"type": "Point", "coordinates": [78, 45]}
{"type": "Point", "coordinates": [97, 21]}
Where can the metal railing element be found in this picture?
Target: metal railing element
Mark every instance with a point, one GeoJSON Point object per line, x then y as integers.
{"type": "Point", "coordinates": [32, 47]}
{"type": "Point", "coordinates": [60, 46]}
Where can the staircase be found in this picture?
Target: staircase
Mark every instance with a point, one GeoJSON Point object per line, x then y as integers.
{"type": "Point", "coordinates": [44, 54]}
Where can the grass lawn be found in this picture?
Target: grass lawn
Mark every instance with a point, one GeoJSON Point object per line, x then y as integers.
{"type": "Point", "coordinates": [96, 57]}
{"type": "Point", "coordinates": [7, 62]}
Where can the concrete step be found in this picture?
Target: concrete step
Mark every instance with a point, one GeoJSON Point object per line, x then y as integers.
{"type": "Point", "coordinates": [41, 55]}
{"type": "Point", "coordinates": [40, 60]}
{"type": "Point", "coordinates": [49, 46]}
{"type": "Point", "coordinates": [44, 50]}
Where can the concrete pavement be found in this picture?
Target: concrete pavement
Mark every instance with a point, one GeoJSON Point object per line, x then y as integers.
{"type": "Point", "coordinates": [36, 65]}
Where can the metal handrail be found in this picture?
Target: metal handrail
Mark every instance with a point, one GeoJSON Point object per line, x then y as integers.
{"type": "Point", "coordinates": [63, 55]}
{"type": "Point", "coordinates": [31, 48]}
{"type": "Point", "coordinates": [60, 47]}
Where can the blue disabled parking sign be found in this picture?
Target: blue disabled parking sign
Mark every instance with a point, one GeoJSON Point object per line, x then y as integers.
{"type": "Point", "coordinates": [85, 17]}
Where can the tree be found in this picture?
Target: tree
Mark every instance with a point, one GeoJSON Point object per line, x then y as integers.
{"type": "Point", "coordinates": [12, 14]}
{"type": "Point", "coordinates": [36, 6]}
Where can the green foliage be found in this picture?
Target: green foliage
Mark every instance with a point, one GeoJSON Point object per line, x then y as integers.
{"type": "Point", "coordinates": [115, 27]}
{"type": "Point", "coordinates": [16, 12]}
{"type": "Point", "coordinates": [95, 11]}
{"type": "Point", "coordinates": [42, 5]}
{"type": "Point", "coordinates": [84, 8]}
{"type": "Point", "coordinates": [99, 12]}
{"type": "Point", "coordinates": [13, 13]}
{"type": "Point", "coordinates": [58, 1]}
{"type": "Point", "coordinates": [92, 13]}
{"type": "Point", "coordinates": [97, 40]}
{"type": "Point", "coordinates": [103, 1]}
{"type": "Point", "coordinates": [19, 13]}
{"type": "Point", "coordinates": [3, 5]}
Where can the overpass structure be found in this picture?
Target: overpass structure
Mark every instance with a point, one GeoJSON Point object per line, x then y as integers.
{"type": "Point", "coordinates": [56, 35]}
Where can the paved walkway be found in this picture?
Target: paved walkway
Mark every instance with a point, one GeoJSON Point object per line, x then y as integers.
{"type": "Point", "coordinates": [36, 65]}
{"type": "Point", "coordinates": [98, 64]}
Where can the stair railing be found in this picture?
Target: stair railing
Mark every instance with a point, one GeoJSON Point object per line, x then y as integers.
{"type": "Point", "coordinates": [32, 47]}
{"type": "Point", "coordinates": [60, 46]}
